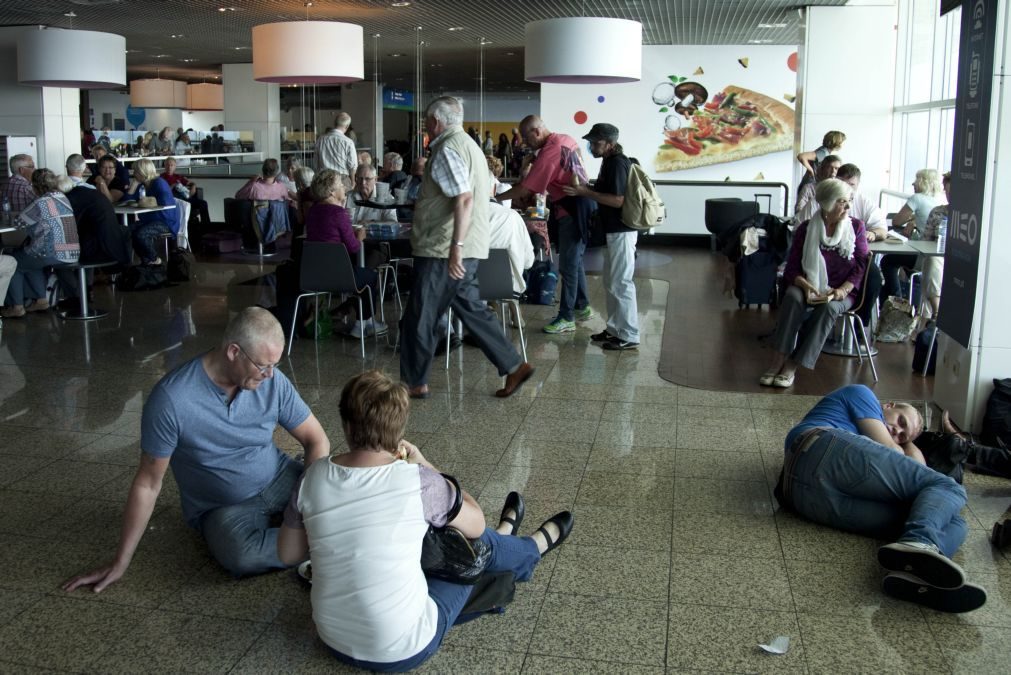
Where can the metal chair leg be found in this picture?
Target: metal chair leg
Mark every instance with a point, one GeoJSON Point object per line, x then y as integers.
{"type": "Point", "coordinates": [867, 345]}
{"type": "Point", "coordinates": [930, 349]}
{"type": "Point", "coordinates": [361, 334]}
{"type": "Point", "coordinates": [519, 322]}
{"type": "Point", "coordinates": [449, 333]}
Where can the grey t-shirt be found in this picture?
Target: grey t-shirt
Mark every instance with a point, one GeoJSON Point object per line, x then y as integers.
{"type": "Point", "coordinates": [222, 453]}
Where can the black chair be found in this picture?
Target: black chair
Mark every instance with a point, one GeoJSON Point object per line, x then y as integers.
{"type": "Point", "coordinates": [495, 283]}
{"type": "Point", "coordinates": [859, 315]}
{"type": "Point", "coordinates": [326, 269]}
{"type": "Point", "coordinates": [724, 216]}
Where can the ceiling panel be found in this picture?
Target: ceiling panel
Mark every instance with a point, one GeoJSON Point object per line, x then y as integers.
{"type": "Point", "coordinates": [209, 33]}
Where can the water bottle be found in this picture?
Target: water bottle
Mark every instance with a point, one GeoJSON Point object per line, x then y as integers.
{"type": "Point", "coordinates": [942, 234]}
{"type": "Point", "coordinates": [541, 206]}
{"type": "Point", "coordinates": [7, 210]}
{"type": "Point", "coordinates": [141, 193]}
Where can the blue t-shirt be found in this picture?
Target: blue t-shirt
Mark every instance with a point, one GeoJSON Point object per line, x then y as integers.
{"type": "Point", "coordinates": [841, 409]}
{"type": "Point", "coordinates": [222, 453]}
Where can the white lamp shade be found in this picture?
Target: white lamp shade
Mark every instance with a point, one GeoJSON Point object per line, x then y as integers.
{"type": "Point", "coordinates": [157, 93]}
{"type": "Point", "coordinates": [308, 52]}
{"type": "Point", "coordinates": [581, 50]}
{"type": "Point", "coordinates": [81, 59]}
{"type": "Point", "coordinates": [205, 96]}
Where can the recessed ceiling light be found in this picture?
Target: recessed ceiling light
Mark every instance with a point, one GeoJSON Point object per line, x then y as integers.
{"type": "Point", "coordinates": [162, 56]}
{"type": "Point", "coordinates": [772, 25]}
{"type": "Point", "coordinates": [759, 42]}
{"type": "Point", "coordinates": [70, 14]}
{"type": "Point", "coordinates": [178, 35]}
{"type": "Point", "coordinates": [187, 60]}
{"type": "Point", "coordinates": [510, 53]}
{"type": "Point", "coordinates": [400, 4]}
{"type": "Point", "coordinates": [239, 49]}
{"type": "Point", "coordinates": [395, 55]}
{"type": "Point", "coordinates": [226, 9]}
{"type": "Point", "coordinates": [454, 29]}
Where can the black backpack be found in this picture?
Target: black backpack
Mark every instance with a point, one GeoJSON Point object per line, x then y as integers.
{"type": "Point", "coordinates": [541, 282]}
{"type": "Point", "coordinates": [179, 264]}
{"type": "Point", "coordinates": [142, 278]}
{"type": "Point", "coordinates": [997, 420]}
{"type": "Point", "coordinates": [921, 347]}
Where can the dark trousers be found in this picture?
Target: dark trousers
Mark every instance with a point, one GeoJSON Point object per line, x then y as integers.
{"type": "Point", "coordinates": [890, 266]}
{"type": "Point", "coordinates": [434, 292]}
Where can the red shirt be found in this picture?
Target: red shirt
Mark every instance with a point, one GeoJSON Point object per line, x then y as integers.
{"type": "Point", "coordinates": [174, 178]}
{"type": "Point", "coordinates": [557, 161]}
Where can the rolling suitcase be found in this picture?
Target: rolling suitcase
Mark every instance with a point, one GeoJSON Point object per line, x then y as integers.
{"type": "Point", "coordinates": [755, 277]}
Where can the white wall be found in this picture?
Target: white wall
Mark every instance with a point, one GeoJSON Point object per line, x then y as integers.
{"type": "Point", "coordinates": [115, 102]}
{"type": "Point", "coordinates": [203, 120]}
{"type": "Point", "coordinates": [852, 88]}
{"type": "Point", "coordinates": [363, 103]}
{"type": "Point", "coordinates": [630, 107]}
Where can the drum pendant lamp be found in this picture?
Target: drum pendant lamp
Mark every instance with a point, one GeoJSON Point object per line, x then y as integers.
{"type": "Point", "coordinates": [583, 50]}
{"type": "Point", "coordinates": [157, 93]}
{"type": "Point", "coordinates": [308, 52]}
{"type": "Point", "coordinates": [205, 96]}
{"type": "Point", "coordinates": [77, 59]}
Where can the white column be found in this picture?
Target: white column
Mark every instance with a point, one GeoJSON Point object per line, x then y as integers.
{"type": "Point", "coordinates": [964, 377]}
{"type": "Point", "coordinates": [846, 82]}
{"type": "Point", "coordinates": [252, 106]}
{"type": "Point", "coordinates": [48, 113]}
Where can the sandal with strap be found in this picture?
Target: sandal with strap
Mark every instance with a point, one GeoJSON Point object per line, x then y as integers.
{"type": "Point", "coordinates": [514, 503]}
{"type": "Point", "coordinates": [564, 522]}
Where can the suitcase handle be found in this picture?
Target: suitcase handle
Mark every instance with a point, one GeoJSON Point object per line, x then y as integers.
{"type": "Point", "coordinates": [768, 196]}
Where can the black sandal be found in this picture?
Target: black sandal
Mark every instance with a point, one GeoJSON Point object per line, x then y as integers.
{"type": "Point", "coordinates": [514, 503]}
{"type": "Point", "coordinates": [564, 522]}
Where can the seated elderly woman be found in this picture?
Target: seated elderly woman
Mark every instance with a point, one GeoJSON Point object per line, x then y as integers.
{"type": "Point", "coordinates": [150, 226]}
{"type": "Point", "coordinates": [52, 240]}
{"type": "Point", "coordinates": [328, 221]}
{"type": "Point", "coordinates": [362, 516]}
{"type": "Point", "coordinates": [824, 272]}
{"type": "Point", "coordinates": [912, 221]}
{"type": "Point", "coordinates": [303, 194]}
{"type": "Point", "coordinates": [365, 190]}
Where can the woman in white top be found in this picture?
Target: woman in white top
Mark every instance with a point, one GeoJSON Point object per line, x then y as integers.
{"type": "Point", "coordinates": [912, 218]}
{"type": "Point", "coordinates": [362, 516]}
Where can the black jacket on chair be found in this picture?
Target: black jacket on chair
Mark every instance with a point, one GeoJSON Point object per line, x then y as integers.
{"type": "Point", "coordinates": [103, 237]}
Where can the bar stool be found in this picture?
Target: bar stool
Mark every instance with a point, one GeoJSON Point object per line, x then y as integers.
{"type": "Point", "coordinates": [84, 311]}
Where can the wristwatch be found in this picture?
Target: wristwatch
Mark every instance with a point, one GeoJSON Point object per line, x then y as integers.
{"type": "Point", "coordinates": [458, 243]}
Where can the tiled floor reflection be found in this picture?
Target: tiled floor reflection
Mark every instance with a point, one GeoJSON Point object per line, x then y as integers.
{"type": "Point", "coordinates": [680, 560]}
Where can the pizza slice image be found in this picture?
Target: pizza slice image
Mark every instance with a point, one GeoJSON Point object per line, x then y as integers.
{"type": "Point", "coordinates": [735, 124]}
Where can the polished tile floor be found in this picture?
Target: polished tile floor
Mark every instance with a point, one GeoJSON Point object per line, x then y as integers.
{"type": "Point", "coordinates": [680, 560]}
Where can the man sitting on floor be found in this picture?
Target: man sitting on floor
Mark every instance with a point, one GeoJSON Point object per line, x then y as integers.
{"type": "Point", "coordinates": [851, 464]}
{"type": "Point", "coordinates": [213, 419]}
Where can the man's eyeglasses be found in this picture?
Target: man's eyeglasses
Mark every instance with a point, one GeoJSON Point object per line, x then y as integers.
{"type": "Point", "coordinates": [263, 369]}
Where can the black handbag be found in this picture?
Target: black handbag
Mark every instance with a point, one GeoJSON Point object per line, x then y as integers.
{"type": "Point", "coordinates": [448, 555]}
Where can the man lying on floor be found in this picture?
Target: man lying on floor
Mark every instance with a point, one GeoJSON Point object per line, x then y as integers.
{"type": "Point", "coordinates": [851, 464]}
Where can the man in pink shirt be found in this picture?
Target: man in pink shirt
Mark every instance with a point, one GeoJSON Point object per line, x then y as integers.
{"type": "Point", "coordinates": [558, 165]}
{"type": "Point", "coordinates": [265, 186]}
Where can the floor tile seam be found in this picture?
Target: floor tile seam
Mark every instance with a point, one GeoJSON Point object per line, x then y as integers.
{"type": "Point", "coordinates": [23, 664]}
{"type": "Point", "coordinates": [252, 643]}
{"type": "Point", "coordinates": [610, 662]}
{"type": "Point", "coordinates": [14, 618]}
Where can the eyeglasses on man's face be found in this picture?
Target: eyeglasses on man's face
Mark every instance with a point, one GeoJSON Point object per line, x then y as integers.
{"type": "Point", "coordinates": [264, 370]}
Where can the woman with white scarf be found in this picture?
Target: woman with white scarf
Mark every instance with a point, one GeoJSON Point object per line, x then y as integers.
{"type": "Point", "coordinates": [824, 271]}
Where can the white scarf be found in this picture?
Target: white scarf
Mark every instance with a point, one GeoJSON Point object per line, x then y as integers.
{"type": "Point", "coordinates": [812, 262]}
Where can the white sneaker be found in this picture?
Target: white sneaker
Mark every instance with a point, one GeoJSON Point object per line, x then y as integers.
{"type": "Point", "coordinates": [921, 560]}
{"type": "Point", "coordinates": [357, 329]}
{"type": "Point", "coordinates": [377, 328]}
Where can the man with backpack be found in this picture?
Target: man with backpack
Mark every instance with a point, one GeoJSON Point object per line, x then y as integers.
{"type": "Point", "coordinates": [622, 331]}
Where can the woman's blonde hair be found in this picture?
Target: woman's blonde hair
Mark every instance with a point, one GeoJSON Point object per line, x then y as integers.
{"type": "Point", "coordinates": [927, 182]}
{"type": "Point", "coordinates": [495, 165]}
{"type": "Point", "coordinates": [374, 410]}
{"type": "Point", "coordinates": [144, 171]}
{"type": "Point", "coordinates": [325, 183]}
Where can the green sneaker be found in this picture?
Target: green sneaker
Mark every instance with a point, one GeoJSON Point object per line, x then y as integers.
{"type": "Point", "coordinates": [585, 314]}
{"type": "Point", "coordinates": [560, 326]}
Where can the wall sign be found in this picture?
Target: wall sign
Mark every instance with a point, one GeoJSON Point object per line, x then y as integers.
{"type": "Point", "coordinates": [968, 168]}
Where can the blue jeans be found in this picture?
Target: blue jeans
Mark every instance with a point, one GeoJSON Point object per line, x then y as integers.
{"type": "Point", "coordinates": [518, 555]}
{"type": "Point", "coordinates": [240, 537]}
{"type": "Point", "coordinates": [851, 483]}
{"type": "Point", "coordinates": [28, 282]}
{"type": "Point", "coordinates": [570, 265]}
{"type": "Point", "coordinates": [145, 239]}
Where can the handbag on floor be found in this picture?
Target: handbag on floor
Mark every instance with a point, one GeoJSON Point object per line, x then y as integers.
{"type": "Point", "coordinates": [897, 321]}
{"type": "Point", "coordinates": [448, 555]}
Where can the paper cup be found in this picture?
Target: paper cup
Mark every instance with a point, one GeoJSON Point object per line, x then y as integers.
{"type": "Point", "coordinates": [401, 196]}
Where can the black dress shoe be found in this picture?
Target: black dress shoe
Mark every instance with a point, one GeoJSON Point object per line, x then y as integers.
{"type": "Point", "coordinates": [514, 503]}
{"type": "Point", "coordinates": [564, 521]}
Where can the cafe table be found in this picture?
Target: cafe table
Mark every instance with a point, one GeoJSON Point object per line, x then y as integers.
{"type": "Point", "coordinates": [126, 211]}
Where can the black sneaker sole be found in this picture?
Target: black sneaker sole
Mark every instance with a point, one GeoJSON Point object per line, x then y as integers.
{"type": "Point", "coordinates": [613, 346]}
{"type": "Point", "coordinates": [951, 600]}
{"type": "Point", "coordinates": [933, 568]}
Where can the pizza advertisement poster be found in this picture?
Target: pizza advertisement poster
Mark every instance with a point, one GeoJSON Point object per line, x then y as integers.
{"type": "Point", "coordinates": [698, 113]}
